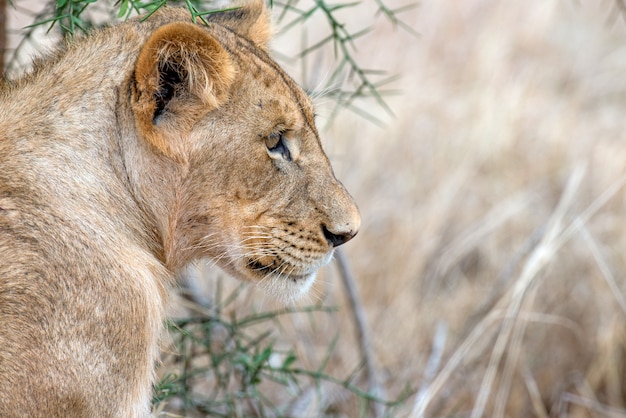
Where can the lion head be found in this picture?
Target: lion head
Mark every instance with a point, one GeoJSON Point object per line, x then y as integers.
{"type": "Point", "coordinates": [233, 139]}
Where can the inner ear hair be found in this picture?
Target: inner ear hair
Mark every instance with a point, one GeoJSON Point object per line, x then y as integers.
{"type": "Point", "coordinates": [182, 73]}
{"type": "Point", "coordinates": [190, 60]}
{"type": "Point", "coordinates": [169, 80]}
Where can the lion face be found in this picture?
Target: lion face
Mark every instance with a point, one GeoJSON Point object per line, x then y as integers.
{"type": "Point", "coordinates": [254, 190]}
{"type": "Point", "coordinates": [280, 211]}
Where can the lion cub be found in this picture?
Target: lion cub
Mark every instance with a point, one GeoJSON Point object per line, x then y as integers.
{"type": "Point", "coordinates": [125, 156]}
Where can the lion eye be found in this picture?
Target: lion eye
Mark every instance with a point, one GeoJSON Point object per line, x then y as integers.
{"type": "Point", "coordinates": [277, 146]}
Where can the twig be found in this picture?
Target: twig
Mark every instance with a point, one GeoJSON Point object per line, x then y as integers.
{"type": "Point", "coordinates": [533, 393]}
{"type": "Point", "coordinates": [604, 268]}
{"type": "Point", "coordinates": [3, 32]}
{"type": "Point", "coordinates": [362, 331]}
{"type": "Point", "coordinates": [439, 344]}
{"type": "Point", "coordinates": [12, 66]}
{"type": "Point", "coordinates": [593, 406]}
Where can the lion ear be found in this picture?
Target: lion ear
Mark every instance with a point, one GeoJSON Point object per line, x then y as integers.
{"type": "Point", "coordinates": [250, 19]}
{"type": "Point", "coordinates": [182, 73]}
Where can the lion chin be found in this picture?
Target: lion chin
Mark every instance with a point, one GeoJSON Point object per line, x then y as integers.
{"type": "Point", "coordinates": [289, 289]}
{"type": "Point", "coordinates": [287, 284]}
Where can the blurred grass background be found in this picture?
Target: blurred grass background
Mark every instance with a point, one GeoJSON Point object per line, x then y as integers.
{"type": "Point", "coordinates": [492, 256]}
{"type": "Point", "coordinates": [491, 259]}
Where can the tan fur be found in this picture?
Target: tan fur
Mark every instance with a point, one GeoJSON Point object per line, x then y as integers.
{"type": "Point", "coordinates": [125, 156]}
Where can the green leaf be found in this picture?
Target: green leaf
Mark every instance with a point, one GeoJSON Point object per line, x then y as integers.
{"type": "Point", "coordinates": [291, 358]}
{"type": "Point", "coordinates": [123, 9]}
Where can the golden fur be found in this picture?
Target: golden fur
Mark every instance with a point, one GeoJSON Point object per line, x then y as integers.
{"type": "Point", "coordinates": [125, 156]}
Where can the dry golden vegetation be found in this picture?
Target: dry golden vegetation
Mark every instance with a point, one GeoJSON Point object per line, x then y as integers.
{"type": "Point", "coordinates": [492, 258]}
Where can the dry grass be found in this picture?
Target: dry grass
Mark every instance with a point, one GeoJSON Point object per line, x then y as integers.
{"type": "Point", "coordinates": [492, 256]}
{"type": "Point", "coordinates": [494, 209]}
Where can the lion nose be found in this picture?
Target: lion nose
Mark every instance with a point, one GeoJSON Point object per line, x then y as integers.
{"type": "Point", "coordinates": [338, 238]}
{"type": "Point", "coordinates": [338, 235]}
{"type": "Point", "coordinates": [343, 218]}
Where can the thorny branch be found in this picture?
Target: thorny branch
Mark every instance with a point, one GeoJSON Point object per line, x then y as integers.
{"type": "Point", "coordinates": [3, 34]}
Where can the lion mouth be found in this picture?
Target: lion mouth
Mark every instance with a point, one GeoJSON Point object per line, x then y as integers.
{"type": "Point", "coordinates": [274, 269]}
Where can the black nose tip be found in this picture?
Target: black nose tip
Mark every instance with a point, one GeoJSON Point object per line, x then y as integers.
{"type": "Point", "coordinates": [337, 239]}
